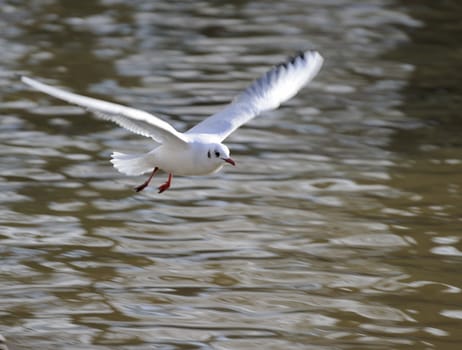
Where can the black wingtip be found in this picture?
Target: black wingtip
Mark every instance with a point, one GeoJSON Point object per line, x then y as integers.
{"type": "Point", "coordinates": [299, 54]}
{"type": "Point", "coordinates": [293, 59]}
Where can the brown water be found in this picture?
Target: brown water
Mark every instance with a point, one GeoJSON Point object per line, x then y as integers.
{"type": "Point", "coordinates": [338, 229]}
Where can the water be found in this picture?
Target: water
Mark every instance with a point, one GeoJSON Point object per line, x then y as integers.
{"type": "Point", "coordinates": [338, 229]}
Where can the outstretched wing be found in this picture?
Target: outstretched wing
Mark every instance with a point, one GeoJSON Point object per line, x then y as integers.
{"type": "Point", "coordinates": [135, 120]}
{"type": "Point", "coordinates": [266, 93]}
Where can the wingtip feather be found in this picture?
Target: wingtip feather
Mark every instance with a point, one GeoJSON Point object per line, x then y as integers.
{"type": "Point", "coordinates": [25, 79]}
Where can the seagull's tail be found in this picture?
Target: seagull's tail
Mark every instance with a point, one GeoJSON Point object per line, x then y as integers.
{"type": "Point", "coordinates": [132, 164]}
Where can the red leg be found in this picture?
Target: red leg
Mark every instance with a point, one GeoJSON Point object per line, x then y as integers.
{"type": "Point", "coordinates": [146, 183]}
{"type": "Point", "coordinates": [166, 185]}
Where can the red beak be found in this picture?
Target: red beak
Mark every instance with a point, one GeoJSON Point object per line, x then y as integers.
{"type": "Point", "coordinates": [230, 161]}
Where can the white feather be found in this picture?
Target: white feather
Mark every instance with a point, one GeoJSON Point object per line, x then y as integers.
{"type": "Point", "coordinates": [275, 87]}
{"type": "Point", "coordinates": [132, 164]}
{"type": "Point", "coordinates": [135, 120]}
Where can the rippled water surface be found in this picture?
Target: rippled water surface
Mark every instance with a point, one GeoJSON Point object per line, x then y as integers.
{"type": "Point", "coordinates": [338, 229]}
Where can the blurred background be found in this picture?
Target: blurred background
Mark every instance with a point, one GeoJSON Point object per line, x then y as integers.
{"type": "Point", "coordinates": [339, 228]}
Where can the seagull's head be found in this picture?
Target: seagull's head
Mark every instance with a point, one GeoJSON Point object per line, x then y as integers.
{"type": "Point", "coordinates": [219, 153]}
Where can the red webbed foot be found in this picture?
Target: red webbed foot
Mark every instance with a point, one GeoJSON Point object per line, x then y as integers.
{"type": "Point", "coordinates": [166, 186]}
{"type": "Point", "coordinates": [146, 183]}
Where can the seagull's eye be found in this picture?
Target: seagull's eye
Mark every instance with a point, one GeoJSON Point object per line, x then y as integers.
{"type": "Point", "coordinates": [217, 154]}
{"type": "Point", "coordinates": [208, 154]}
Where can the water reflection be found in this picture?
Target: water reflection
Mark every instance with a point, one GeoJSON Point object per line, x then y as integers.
{"type": "Point", "coordinates": [338, 229]}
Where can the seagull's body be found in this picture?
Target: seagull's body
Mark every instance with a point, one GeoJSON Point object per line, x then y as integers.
{"type": "Point", "coordinates": [200, 150]}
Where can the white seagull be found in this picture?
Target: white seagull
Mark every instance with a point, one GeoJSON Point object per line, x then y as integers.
{"type": "Point", "coordinates": [198, 151]}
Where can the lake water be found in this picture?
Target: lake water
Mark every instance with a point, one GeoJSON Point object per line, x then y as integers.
{"type": "Point", "coordinates": [339, 228]}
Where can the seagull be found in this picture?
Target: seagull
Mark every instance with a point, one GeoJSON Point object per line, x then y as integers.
{"type": "Point", "coordinates": [199, 150]}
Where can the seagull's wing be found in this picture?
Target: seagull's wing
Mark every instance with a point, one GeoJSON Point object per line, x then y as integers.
{"type": "Point", "coordinates": [135, 120]}
{"type": "Point", "coordinates": [266, 93]}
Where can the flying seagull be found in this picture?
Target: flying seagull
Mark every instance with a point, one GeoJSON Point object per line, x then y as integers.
{"type": "Point", "coordinates": [198, 151]}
